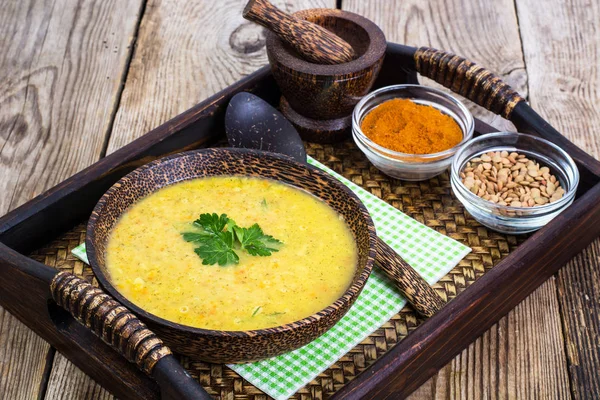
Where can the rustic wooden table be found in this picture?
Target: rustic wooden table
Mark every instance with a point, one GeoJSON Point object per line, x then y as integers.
{"type": "Point", "coordinates": [79, 79]}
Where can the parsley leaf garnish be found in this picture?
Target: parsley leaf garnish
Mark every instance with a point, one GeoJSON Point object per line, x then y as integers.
{"type": "Point", "coordinates": [217, 236]}
{"type": "Point", "coordinates": [255, 242]}
{"type": "Point", "coordinates": [212, 223]}
{"type": "Point", "coordinates": [215, 245]}
{"type": "Point", "coordinates": [218, 250]}
{"type": "Point", "coordinates": [198, 237]}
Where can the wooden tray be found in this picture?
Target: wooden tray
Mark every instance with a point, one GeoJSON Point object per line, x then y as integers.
{"type": "Point", "coordinates": [500, 272]}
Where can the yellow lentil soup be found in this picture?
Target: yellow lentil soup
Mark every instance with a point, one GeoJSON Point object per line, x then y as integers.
{"type": "Point", "coordinates": [151, 264]}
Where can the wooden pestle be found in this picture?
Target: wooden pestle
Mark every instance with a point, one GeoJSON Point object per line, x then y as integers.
{"type": "Point", "coordinates": [313, 42]}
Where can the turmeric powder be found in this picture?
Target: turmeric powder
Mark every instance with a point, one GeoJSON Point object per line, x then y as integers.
{"type": "Point", "coordinates": [407, 127]}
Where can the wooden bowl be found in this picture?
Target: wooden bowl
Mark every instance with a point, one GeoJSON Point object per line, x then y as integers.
{"type": "Point", "coordinates": [229, 346]}
{"type": "Point", "coordinates": [318, 99]}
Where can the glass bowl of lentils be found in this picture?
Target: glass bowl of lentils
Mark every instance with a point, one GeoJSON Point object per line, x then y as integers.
{"type": "Point", "coordinates": [512, 182]}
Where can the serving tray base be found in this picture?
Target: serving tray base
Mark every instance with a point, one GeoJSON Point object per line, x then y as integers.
{"type": "Point", "coordinates": [500, 272]}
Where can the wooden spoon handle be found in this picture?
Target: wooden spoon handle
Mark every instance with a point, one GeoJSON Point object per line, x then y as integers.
{"type": "Point", "coordinates": [313, 42]}
{"type": "Point", "coordinates": [418, 292]}
{"type": "Point", "coordinates": [124, 332]}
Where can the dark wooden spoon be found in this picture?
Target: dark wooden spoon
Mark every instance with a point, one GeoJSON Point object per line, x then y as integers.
{"type": "Point", "coordinates": [253, 123]}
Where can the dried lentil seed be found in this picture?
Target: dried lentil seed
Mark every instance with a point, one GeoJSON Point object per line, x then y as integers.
{"type": "Point", "coordinates": [510, 179]}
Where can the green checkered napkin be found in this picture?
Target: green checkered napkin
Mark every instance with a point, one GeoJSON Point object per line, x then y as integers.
{"type": "Point", "coordinates": [432, 254]}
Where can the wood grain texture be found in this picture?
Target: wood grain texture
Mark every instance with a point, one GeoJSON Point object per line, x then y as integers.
{"type": "Point", "coordinates": [562, 63]}
{"type": "Point", "coordinates": [579, 296]}
{"type": "Point", "coordinates": [510, 361]}
{"type": "Point", "coordinates": [173, 68]}
{"type": "Point", "coordinates": [486, 33]}
{"type": "Point", "coordinates": [482, 31]}
{"type": "Point", "coordinates": [70, 383]}
{"type": "Point", "coordinates": [61, 66]}
{"type": "Point", "coordinates": [564, 81]}
{"type": "Point", "coordinates": [22, 359]}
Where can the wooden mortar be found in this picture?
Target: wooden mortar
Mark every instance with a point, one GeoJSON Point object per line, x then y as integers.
{"type": "Point", "coordinates": [318, 99]}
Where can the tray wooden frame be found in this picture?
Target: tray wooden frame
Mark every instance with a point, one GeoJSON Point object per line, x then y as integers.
{"type": "Point", "coordinates": [398, 372]}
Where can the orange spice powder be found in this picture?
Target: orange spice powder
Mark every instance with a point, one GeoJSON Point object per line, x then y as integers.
{"type": "Point", "coordinates": [404, 126]}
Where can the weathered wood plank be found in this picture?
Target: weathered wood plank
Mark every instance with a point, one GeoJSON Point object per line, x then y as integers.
{"type": "Point", "coordinates": [61, 66]}
{"type": "Point", "coordinates": [496, 364]}
{"type": "Point", "coordinates": [564, 81]}
{"type": "Point", "coordinates": [174, 68]}
{"type": "Point", "coordinates": [511, 360]}
{"type": "Point", "coordinates": [69, 382]}
{"type": "Point", "coordinates": [22, 359]}
{"type": "Point", "coordinates": [579, 296]}
{"type": "Point", "coordinates": [485, 32]}
{"type": "Point", "coordinates": [562, 63]}
{"type": "Point", "coordinates": [185, 52]}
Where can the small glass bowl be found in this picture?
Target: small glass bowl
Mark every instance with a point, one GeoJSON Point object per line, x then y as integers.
{"type": "Point", "coordinates": [411, 167]}
{"type": "Point", "coordinates": [507, 219]}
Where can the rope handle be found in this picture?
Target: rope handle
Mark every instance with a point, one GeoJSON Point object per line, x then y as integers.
{"type": "Point", "coordinates": [468, 79]}
{"type": "Point", "coordinates": [109, 320]}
